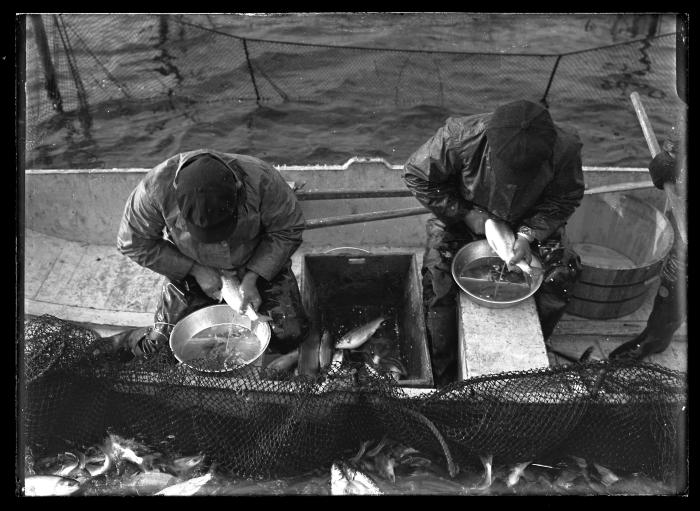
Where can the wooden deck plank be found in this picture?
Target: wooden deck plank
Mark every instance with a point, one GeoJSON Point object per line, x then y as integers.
{"type": "Point", "coordinates": [40, 255]}
{"type": "Point", "coordinates": [132, 287]}
{"type": "Point", "coordinates": [674, 357]}
{"type": "Point", "coordinates": [58, 285]}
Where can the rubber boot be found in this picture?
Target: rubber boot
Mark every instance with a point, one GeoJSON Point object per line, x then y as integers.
{"type": "Point", "coordinates": [441, 324]}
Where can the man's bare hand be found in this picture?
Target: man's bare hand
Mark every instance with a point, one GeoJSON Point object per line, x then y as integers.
{"type": "Point", "coordinates": [521, 251]}
{"type": "Point", "coordinates": [249, 291]}
{"type": "Point", "coordinates": [208, 279]}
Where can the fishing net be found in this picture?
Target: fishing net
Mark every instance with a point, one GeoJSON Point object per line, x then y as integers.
{"type": "Point", "coordinates": [191, 75]}
{"type": "Point", "coordinates": [256, 423]}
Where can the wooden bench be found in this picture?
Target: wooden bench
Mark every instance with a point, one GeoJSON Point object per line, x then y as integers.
{"type": "Point", "coordinates": [498, 340]}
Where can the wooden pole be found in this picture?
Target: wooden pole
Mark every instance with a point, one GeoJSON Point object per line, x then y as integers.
{"type": "Point", "coordinates": [373, 216]}
{"type": "Point", "coordinates": [49, 71]}
{"type": "Point", "coordinates": [672, 199]}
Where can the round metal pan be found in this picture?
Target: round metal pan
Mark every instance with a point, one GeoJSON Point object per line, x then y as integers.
{"type": "Point", "coordinates": [186, 349]}
{"type": "Point", "coordinates": [480, 249]}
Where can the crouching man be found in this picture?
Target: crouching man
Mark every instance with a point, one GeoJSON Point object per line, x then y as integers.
{"type": "Point", "coordinates": [513, 165]}
{"type": "Point", "coordinates": [203, 212]}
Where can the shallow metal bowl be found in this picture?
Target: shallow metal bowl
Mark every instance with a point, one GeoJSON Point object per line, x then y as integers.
{"type": "Point", "coordinates": [184, 349]}
{"type": "Point", "coordinates": [480, 249]}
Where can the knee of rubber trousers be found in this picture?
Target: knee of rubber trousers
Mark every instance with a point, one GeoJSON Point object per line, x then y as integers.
{"type": "Point", "coordinates": [668, 312]}
{"type": "Point", "coordinates": [288, 333]}
{"type": "Point", "coordinates": [442, 243]}
{"type": "Point", "coordinates": [562, 270]}
{"type": "Point", "coordinates": [441, 324]}
{"type": "Point", "coordinates": [550, 309]}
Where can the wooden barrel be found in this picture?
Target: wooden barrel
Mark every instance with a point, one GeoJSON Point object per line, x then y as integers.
{"type": "Point", "coordinates": [622, 242]}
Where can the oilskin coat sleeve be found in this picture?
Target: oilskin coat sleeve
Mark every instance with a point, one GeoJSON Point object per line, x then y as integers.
{"type": "Point", "coordinates": [282, 224]}
{"type": "Point", "coordinates": [141, 237]}
{"type": "Point", "coordinates": [561, 196]}
{"type": "Point", "coordinates": [432, 174]}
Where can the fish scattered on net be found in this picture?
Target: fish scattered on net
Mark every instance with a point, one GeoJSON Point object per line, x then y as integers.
{"type": "Point", "coordinates": [254, 424]}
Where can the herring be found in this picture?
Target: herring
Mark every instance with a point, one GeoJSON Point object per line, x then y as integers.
{"type": "Point", "coordinates": [325, 350]}
{"type": "Point", "coordinates": [607, 476]}
{"type": "Point", "coordinates": [231, 294]}
{"type": "Point", "coordinates": [358, 336]}
{"type": "Point", "coordinates": [49, 485]}
{"type": "Point", "coordinates": [285, 362]}
{"type": "Point", "coordinates": [346, 480]}
{"type": "Point", "coordinates": [487, 461]}
{"type": "Point", "coordinates": [501, 239]}
{"type": "Point", "coordinates": [515, 473]}
{"type": "Point", "coordinates": [385, 466]}
{"type": "Point", "coordinates": [189, 487]}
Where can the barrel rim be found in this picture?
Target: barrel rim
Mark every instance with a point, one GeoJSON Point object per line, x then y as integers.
{"type": "Point", "coordinates": [601, 198]}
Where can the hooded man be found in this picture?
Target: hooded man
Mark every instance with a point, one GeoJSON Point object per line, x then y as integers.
{"type": "Point", "coordinates": [204, 212]}
{"type": "Point", "coordinates": [515, 166]}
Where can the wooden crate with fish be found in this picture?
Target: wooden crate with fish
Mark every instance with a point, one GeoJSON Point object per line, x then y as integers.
{"type": "Point", "coordinates": [369, 306]}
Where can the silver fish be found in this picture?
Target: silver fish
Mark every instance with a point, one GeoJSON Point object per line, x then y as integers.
{"type": "Point", "coordinates": [101, 467]}
{"type": "Point", "coordinates": [361, 451]}
{"type": "Point", "coordinates": [502, 239]}
{"type": "Point", "coordinates": [515, 473]}
{"type": "Point", "coordinates": [487, 461]}
{"type": "Point", "coordinates": [122, 452]}
{"type": "Point", "coordinates": [358, 336]}
{"type": "Point", "coordinates": [231, 294]}
{"type": "Point", "coordinates": [566, 479]}
{"type": "Point", "coordinates": [416, 461]}
{"type": "Point", "coordinates": [48, 485]}
{"type": "Point", "coordinates": [150, 481]}
{"type": "Point", "coordinates": [186, 464]}
{"type": "Point", "coordinates": [607, 476]}
{"type": "Point", "coordinates": [284, 362]}
{"type": "Point", "coordinates": [346, 480]}
{"type": "Point", "coordinates": [69, 466]}
{"type": "Point", "coordinates": [377, 448]}
{"type": "Point", "coordinates": [189, 487]}
{"type": "Point", "coordinates": [325, 350]}
{"type": "Point", "coordinates": [385, 466]}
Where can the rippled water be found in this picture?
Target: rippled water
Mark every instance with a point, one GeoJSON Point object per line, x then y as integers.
{"type": "Point", "coordinates": [331, 126]}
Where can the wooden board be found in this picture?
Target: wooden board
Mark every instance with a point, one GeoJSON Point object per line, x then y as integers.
{"type": "Point", "coordinates": [498, 340]}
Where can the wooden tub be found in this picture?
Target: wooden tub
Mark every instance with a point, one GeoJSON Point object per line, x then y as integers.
{"type": "Point", "coordinates": [622, 242]}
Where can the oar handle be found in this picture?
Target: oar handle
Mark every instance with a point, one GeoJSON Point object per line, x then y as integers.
{"type": "Point", "coordinates": [648, 131]}
{"type": "Point", "coordinates": [654, 149]}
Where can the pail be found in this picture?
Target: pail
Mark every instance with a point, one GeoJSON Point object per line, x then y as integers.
{"type": "Point", "coordinates": [622, 242]}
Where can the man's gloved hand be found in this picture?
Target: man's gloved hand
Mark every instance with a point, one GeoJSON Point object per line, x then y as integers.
{"type": "Point", "coordinates": [663, 169]}
{"type": "Point", "coordinates": [475, 219]}
{"type": "Point", "coordinates": [521, 252]}
{"type": "Point", "coordinates": [249, 291]}
{"type": "Point", "coordinates": [209, 280]}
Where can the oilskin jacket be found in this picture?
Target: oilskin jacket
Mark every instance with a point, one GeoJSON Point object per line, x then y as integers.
{"type": "Point", "coordinates": [451, 173]}
{"type": "Point", "coordinates": [269, 229]}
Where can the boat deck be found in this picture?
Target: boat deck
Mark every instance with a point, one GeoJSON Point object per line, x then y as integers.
{"type": "Point", "coordinates": [97, 286]}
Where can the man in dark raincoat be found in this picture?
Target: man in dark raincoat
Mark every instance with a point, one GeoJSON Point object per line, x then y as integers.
{"type": "Point", "coordinates": [514, 165]}
{"type": "Point", "coordinates": [203, 212]}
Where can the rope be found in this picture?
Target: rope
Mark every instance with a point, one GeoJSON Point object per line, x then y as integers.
{"type": "Point", "coordinates": [426, 52]}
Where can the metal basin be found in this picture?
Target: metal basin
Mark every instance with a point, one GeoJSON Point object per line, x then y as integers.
{"type": "Point", "coordinates": [185, 349]}
{"type": "Point", "coordinates": [480, 249]}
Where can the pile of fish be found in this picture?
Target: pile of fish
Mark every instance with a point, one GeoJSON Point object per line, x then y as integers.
{"type": "Point", "coordinates": [392, 468]}
{"type": "Point", "coordinates": [113, 466]}
{"type": "Point", "coordinates": [377, 353]}
{"type": "Point", "coordinates": [125, 467]}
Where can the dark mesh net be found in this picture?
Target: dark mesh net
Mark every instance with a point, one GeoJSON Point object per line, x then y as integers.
{"type": "Point", "coordinates": [255, 423]}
